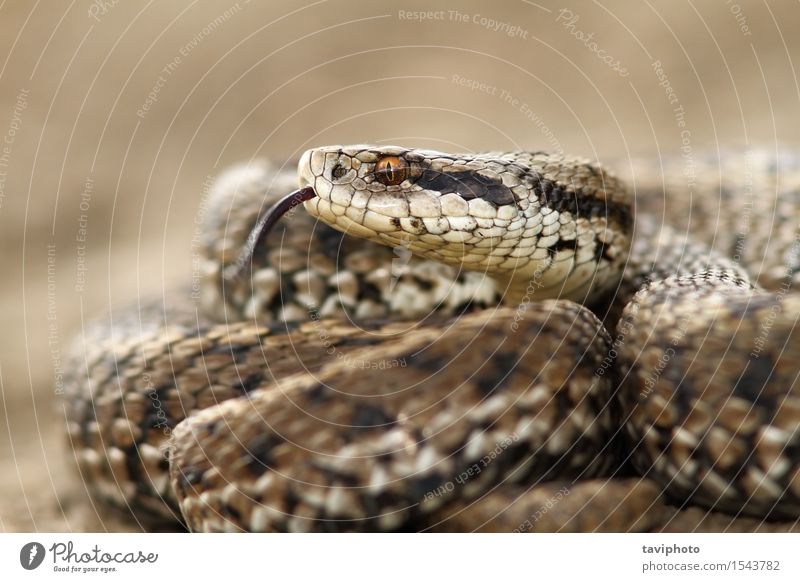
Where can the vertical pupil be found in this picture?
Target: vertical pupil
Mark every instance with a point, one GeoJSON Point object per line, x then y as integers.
{"type": "Point", "coordinates": [389, 171]}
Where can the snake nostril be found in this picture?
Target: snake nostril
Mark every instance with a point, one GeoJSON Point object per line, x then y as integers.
{"type": "Point", "coordinates": [338, 171]}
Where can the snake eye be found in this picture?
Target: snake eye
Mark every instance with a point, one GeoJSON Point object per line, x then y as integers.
{"type": "Point", "coordinates": [391, 170]}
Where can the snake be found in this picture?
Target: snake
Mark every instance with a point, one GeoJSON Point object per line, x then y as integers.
{"type": "Point", "coordinates": [401, 339]}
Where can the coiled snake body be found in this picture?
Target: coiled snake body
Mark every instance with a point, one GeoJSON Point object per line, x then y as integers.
{"type": "Point", "coordinates": [520, 351]}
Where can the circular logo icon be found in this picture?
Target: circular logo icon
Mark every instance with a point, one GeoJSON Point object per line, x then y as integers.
{"type": "Point", "coordinates": [31, 555]}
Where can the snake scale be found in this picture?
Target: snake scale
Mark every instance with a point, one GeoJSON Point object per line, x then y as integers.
{"type": "Point", "coordinates": [438, 342]}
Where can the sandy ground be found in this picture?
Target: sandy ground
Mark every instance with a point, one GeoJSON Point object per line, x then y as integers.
{"type": "Point", "coordinates": [112, 115]}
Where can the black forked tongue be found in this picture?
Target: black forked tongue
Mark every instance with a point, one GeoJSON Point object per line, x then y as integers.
{"type": "Point", "coordinates": [262, 228]}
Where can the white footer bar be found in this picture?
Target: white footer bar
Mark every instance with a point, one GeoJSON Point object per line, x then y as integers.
{"type": "Point", "coordinates": [399, 557]}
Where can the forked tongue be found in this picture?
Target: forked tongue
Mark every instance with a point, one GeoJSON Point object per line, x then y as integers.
{"type": "Point", "coordinates": [262, 228]}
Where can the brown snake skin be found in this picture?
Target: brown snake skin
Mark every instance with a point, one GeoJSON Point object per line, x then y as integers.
{"type": "Point", "coordinates": [455, 382]}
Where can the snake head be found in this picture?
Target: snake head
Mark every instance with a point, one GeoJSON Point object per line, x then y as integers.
{"type": "Point", "coordinates": [520, 217]}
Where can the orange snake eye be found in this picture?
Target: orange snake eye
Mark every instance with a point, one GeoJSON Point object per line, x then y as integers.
{"type": "Point", "coordinates": [391, 170]}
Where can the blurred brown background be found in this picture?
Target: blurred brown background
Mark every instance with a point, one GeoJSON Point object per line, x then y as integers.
{"type": "Point", "coordinates": [113, 113]}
